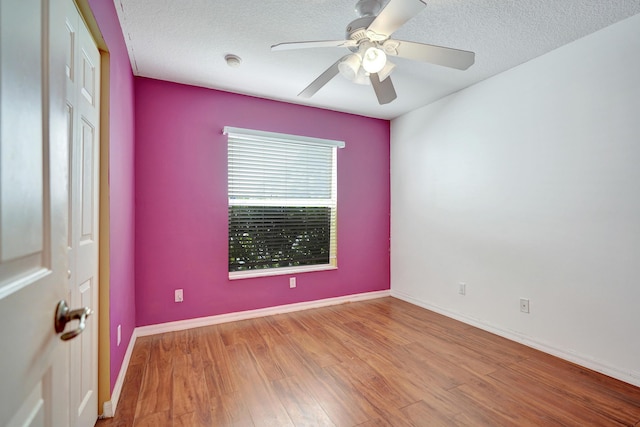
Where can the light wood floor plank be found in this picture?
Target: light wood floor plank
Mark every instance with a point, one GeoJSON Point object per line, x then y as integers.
{"type": "Point", "coordinates": [422, 413]}
{"type": "Point", "coordinates": [156, 390]}
{"type": "Point", "coordinates": [569, 412]}
{"type": "Point", "coordinates": [302, 407]}
{"type": "Point", "coordinates": [264, 406]}
{"type": "Point", "coordinates": [230, 410]}
{"type": "Point", "coordinates": [381, 362]}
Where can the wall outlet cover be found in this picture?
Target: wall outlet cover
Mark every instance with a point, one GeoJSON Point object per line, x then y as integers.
{"type": "Point", "coordinates": [462, 288]}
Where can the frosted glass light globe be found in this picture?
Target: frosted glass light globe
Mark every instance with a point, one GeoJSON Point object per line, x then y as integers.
{"type": "Point", "coordinates": [373, 60]}
{"type": "Point", "coordinates": [349, 66]}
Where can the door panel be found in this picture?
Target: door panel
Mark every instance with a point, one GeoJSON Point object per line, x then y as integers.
{"type": "Point", "coordinates": [22, 221]}
{"type": "Point", "coordinates": [33, 214]}
{"type": "Point", "coordinates": [88, 177]}
{"type": "Point", "coordinates": [33, 411]}
{"type": "Point", "coordinates": [89, 72]}
{"type": "Point", "coordinates": [21, 115]}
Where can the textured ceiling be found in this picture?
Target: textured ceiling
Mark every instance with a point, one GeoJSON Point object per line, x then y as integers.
{"type": "Point", "coordinates": [186, 41]}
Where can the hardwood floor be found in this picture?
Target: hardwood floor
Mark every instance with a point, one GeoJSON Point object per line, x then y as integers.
{"type": "Point", "coordinates": [382, 362]}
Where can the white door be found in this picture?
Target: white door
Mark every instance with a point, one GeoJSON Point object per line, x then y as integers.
{"type": "Point", "coordinates": [33, 213]}
{"type": "Point", "coordinates": [83, 91]}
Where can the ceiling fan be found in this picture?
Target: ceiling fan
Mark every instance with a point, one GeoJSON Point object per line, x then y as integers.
{"type": "Point", "coordinates": [368, 38]}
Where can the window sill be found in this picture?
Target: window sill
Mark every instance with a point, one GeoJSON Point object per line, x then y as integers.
{"type": "Point", "coordinates": [236, 275]}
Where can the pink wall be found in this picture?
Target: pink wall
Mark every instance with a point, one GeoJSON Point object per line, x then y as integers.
{"type": "Point", "coordinates": [121, 183]}
{"type": "Point", "coordinates": [181, 202]}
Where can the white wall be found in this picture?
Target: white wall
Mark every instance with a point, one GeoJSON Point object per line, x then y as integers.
{"type": "Point", "coordinates": [528, 185]}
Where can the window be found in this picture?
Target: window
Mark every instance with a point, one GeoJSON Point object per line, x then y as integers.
{"type": "Point", "coordinates": [282, 203]}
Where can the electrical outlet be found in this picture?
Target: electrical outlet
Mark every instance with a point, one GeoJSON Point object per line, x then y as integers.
{"type": "Point", "coordinates": [119, 334]}
{"type": "Point", "coordinates": [292, 282]}
{"type": "Point", "coordinates": [178, 296]}
{"type": "Point", "coordinates": [462, 288]}
{"type": "Point", "coordinates": [524, 305]}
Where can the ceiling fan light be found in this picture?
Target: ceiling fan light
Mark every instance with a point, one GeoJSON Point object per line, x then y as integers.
{"type": "Point", "coordinates": [374, 60]}
{"type": "Point", "coordinates": [362, 78]}
{"type": "Point", "coordinates": [349, 66]}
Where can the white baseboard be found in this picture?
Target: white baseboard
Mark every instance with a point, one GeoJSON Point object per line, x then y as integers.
{"type": "Point", "coordinates": [109, 408]}
{"type": "Point", "coordinates": [587, 362]}
{"type": "Point", "coordinates": [250, 314]}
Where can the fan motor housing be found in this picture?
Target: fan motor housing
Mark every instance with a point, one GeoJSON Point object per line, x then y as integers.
{"type": "Point", "coordinates": [357, 30]}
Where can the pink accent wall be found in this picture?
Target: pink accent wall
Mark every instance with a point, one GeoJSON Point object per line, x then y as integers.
{"type": "Point", "coordinates": [181, 202]}
{"type": "Point", "coordinates": [121, 183]}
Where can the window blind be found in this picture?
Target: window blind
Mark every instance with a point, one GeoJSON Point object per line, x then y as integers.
{"type": "Point", "coordinates": [282, 193]}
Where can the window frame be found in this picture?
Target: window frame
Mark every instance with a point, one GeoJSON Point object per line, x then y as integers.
{"type": "Point", "coordinates": [239, 134]}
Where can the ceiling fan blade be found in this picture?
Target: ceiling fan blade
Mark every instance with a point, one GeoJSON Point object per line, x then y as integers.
{"type": "Point", "coordinates": [394, 15]}
{"type": "Point", "coordinates": [311, 44]}
{"type": "Point", "coordinates": [322, 80]}
{"type": "Point", "coordinates": [445, 56]}
{"type": "Point", "coordinates": [385, 92]}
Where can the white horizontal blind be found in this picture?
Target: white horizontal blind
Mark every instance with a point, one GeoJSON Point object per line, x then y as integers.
{"type": "Point", "coordinates": [272, 171]}
{"type": "Point", "coordinates": [282, 200]}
